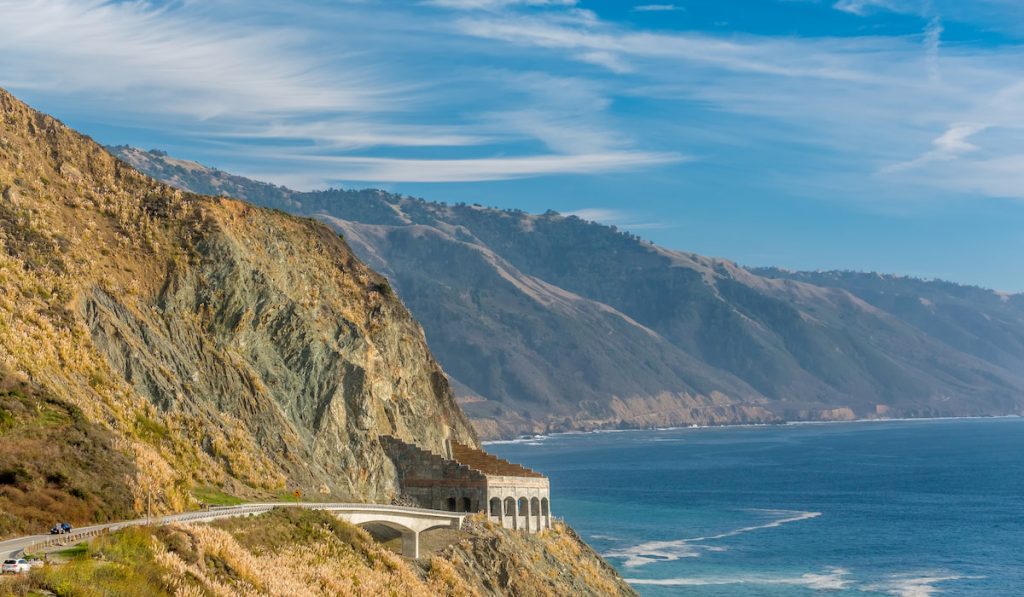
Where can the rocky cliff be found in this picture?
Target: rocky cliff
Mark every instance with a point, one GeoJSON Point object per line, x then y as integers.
{"type": "Point", "coordinates": [550, 323]}
{"type": "Point", "coordinates": [203, 341]}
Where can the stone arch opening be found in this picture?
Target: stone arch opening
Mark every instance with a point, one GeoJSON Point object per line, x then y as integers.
{"type": "Point", "coordinates": [510, 506]}
{"type": "Point", "coordinates": [467, 504]}
{"type": "Point", "coordinates": [544, 507]}
{"type": "Point", "coordinates": [451, 504]}
{"type": "Point", "coordinates": [535, 507]}
{"type": "Point", "coordinates": [495, 506]}
{"type": "Point", "coordinates": [523, 507]}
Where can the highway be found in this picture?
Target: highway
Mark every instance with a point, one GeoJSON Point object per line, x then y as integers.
{"type": "Point", "coordinates": [409, 521]}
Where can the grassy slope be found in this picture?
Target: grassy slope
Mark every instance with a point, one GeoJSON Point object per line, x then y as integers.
{"type": "Point", "coordinates": [54, 464]}
{"type": "Point", "coordinates": [293, 552]}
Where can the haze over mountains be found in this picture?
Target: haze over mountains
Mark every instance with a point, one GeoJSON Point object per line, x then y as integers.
{"type": "Point", "coordinates": [551, 323]}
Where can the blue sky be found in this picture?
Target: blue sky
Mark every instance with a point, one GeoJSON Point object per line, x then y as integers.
{"type": "Point", "coordinates": [883, 135]}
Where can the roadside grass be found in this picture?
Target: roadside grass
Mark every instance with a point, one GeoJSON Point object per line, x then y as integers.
{"type": "Point", "coordinates": [118, 565]}
{"type": "Point", "coordinates": [215, 497]}
{"type": "Point", "coordinates": [74, 551]}
{"type": "Point", "coordinates": [291, 526]}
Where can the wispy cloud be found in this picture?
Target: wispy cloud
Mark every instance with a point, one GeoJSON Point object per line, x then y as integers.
{"type": "Point", "coordinates": [861, 7]}
{"type": "Point", "coordinates": [883, 106]}
{"type": "Point", "coordinates": [171, 61]}
{"type": "Point", "coordinates": [494, 4]}
{"type": "Point", "coordinates": [780, 57]}
{"type": "Point", "coordinates": [315, 93]}
{"type": "Point", "coordinates": [932, 41]}
{"type": "Point", "coordinates": [473, 90]}
{"type": "Point", "coordinates": [618, 217]}
{"type": "Point", "coordinates": [947, 146]}
{"type": "Point", "coordinates": [369, 169]}
{"type": "Point", "coordinates": [657, 8]}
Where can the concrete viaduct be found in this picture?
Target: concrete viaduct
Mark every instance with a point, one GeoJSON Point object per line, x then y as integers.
{"type": "Point", "coordinates": [409, 522]}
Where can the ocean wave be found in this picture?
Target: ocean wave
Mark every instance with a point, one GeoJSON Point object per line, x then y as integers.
{"type": "Point", "coordinates": [834, 579]}
{"type": "Point", "coordinates": [532, 440]}
{"type": "Point", "coordinates": [921, 584]}
{"type": "Point", "coordinates": [667, 551]}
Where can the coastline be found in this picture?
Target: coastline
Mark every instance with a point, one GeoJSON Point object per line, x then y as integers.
{"type": "Point", "coordinates": [526, 439]}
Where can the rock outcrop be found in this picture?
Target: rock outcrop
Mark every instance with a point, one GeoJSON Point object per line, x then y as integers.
{"type": "Point", "coordinates": [216, 343]}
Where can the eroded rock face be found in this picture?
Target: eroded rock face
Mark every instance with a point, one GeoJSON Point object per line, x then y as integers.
{"type": "Point", "coordinates": [223, 344]}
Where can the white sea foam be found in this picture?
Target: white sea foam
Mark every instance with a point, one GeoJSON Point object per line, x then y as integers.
{"type": "Point", "coordinates": [921, 584]}
{"type": "Point", "coordinates": [667, 551]}
{"type": "Point", "coordinates": [834, 579]}
{"type": "Point", "coordinates": [532, 440]}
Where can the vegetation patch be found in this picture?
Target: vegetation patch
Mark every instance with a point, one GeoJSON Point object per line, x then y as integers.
{"type": "Point", "coordinates": [55, 466]}
{"type": "Point", "coordinates": [211, 496]}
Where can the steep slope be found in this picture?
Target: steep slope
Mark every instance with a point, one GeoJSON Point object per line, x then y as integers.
{"type": "Point", "coordinates": [550, 322]}
{"type": "Point", "coordinates": [545, 359]}
{"type": "Point", "coordinates": [986, 324]}
{"type": "Point", "coordinates": [203, 340]}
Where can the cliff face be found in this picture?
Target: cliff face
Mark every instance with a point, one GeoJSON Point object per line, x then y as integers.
{"type": "Point", "coordinates": [551, 323]}
{"type": "Point", "coordinates": [213, 342]}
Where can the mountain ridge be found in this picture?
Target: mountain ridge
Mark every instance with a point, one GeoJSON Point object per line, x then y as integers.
{"type": "Point", "coordinates": [656, 337]}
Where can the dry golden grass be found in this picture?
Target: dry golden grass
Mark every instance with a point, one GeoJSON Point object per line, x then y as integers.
{"type": "Point", "coordinates": [291, 552]}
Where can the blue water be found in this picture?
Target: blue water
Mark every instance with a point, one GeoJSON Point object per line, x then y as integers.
{"type": "Point", "coordinates": [912, 508]}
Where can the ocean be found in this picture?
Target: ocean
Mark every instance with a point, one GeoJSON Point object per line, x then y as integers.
{"type": "Point", "coordinates": [907, 508]}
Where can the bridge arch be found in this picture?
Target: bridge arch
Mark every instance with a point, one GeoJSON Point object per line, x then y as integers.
{"type": "Point", "coordinates": [409, 526]}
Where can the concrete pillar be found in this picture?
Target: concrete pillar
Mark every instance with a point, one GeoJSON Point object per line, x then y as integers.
{"type": "Point", "coordinates": [411, 544]}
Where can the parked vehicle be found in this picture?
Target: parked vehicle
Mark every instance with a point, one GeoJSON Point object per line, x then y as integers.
{"type": "Point", "coordinates": [15, 566]}
{"type": "Point", "coordinates": [60, 528]}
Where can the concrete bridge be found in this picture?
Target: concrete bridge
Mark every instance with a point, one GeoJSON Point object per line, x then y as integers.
{"type": "Point", "coordinates": [408, 522]}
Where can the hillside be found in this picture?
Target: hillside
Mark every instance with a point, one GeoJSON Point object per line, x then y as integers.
{"type": "Point", "coordinates": [155, 342]}
{"type": "Point", "coordinates": [550, 323]}
{"type": "Point", "coordinates": [324, 556]}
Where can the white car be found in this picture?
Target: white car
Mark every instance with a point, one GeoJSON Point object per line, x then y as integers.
{"type": "Point", "coordinates": [15, 566]}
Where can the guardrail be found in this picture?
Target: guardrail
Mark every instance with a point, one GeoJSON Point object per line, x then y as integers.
{"type": "Point", "coordinates": [215, 513]}
{"type": "Point", "coordinates": [65, 539]}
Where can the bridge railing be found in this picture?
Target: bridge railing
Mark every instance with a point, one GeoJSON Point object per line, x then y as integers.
{"type": "Point", "coordinates": [231, 512]}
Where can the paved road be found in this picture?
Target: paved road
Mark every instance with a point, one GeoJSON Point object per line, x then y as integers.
{"type": "Point", "coordinates": [14, 547]}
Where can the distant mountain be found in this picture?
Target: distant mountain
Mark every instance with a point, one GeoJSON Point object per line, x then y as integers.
{"type": "Point", "coordinates": [550, 323]}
